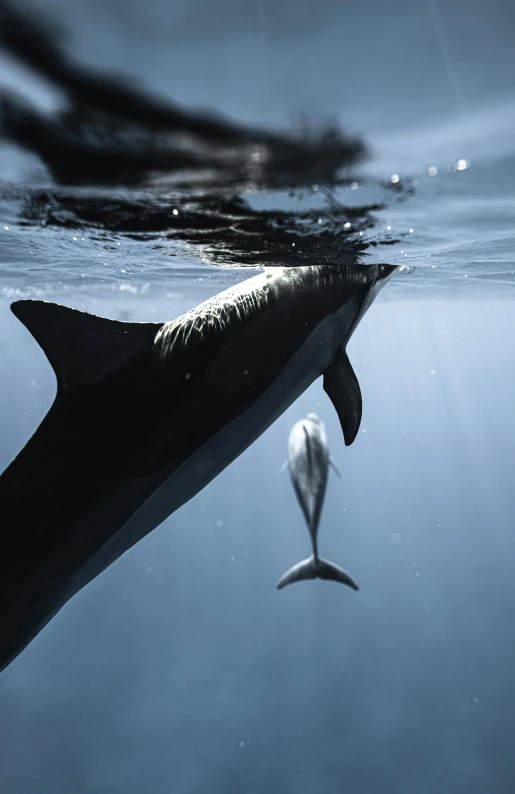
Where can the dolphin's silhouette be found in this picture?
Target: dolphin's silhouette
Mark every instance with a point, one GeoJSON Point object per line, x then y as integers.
{"type": "Point", "coordinates": [148, 414]}
{"type": "Point", "coordinates": [308, 464]}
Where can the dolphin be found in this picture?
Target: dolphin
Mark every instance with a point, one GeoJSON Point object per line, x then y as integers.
{"type": "Point", "coordinates": [308, 464]}
{"type": "Point", "coordinates": [147, 414]}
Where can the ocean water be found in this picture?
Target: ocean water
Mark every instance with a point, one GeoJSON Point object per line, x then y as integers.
{"type": "Point", "coordinates": [181, 668]}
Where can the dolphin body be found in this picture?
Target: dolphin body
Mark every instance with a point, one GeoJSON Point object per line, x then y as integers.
{"type": "Point", "coordinates": [308, 464]}
{"type": "Point", "coordinates": [147, 414]}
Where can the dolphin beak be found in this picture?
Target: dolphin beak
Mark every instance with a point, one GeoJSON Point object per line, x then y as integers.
{"type": "Point", "coordinates": [386, 271]}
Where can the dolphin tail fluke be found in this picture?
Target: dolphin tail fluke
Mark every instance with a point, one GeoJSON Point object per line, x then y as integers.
{"type": "Point", "coordinates": [328, 570]}
{"type": "Point", "coordinates": [298, 573]}
{"type": "Point", "coordinates": [316, 569]}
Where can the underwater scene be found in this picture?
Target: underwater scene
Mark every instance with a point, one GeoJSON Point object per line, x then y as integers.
{"type": "Point", "coordinates": [257, 354]}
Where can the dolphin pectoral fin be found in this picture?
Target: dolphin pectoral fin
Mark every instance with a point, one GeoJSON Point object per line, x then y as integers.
{"type": "Point", "coordinates": [316, 569]}
{"type": "Point", "coordinates": [334, 466]}
{"type": "Point", "coordinates": [342, 387]}
{"type": "Point", "coordinates": [283, 467]}
{"type": "Point", "coordinates": [81, 347]}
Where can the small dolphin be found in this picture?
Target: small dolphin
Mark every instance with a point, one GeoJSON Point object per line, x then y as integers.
{"type": "Point", "coordinates": [308, 464]}
{"type": "Point", "coordinates": [147, 414]}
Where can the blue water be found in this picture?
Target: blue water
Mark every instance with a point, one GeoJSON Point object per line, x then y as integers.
{"type": "Point", "coordinates": [181, 668]}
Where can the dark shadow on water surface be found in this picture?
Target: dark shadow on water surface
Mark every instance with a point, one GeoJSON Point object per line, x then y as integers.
{"type": "Point", "coordinates": [195, 169]}
{"type": "Point", "coordinates": [112, 133]}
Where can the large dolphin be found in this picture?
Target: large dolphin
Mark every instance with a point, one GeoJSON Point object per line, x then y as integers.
{"type": "Point", "coordinates": [146, 415]}
{"type": "Point", "coordinates": [308, 464]}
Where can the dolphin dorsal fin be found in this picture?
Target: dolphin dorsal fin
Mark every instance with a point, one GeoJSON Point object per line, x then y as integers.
{"type": "Point", "coordinates": [82, 348]}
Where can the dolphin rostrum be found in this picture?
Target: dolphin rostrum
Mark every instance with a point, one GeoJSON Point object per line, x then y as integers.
{"type": "Point", "coordinates": [308, 464]}
{"type": "Point", "coordinates": [146, 415]}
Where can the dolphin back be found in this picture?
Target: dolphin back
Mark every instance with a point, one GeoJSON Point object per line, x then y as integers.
{"type": "Point", "coordinates": [308, 466]}
{"type": "Point", "coordinates": [316, 568]}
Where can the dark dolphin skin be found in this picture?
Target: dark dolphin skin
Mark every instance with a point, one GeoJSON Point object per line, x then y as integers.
{"type": "Point", "coordinates": [308, 464]}
{"type": "Point", "coordinates": [148, 414]}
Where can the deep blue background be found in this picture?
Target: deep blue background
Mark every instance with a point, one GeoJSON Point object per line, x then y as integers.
{"type": "Point", "coordinates": [182, 668]}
